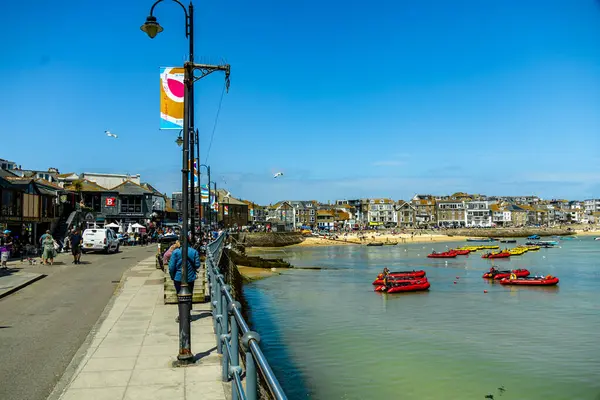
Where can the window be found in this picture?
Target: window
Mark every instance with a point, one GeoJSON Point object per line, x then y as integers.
{"type": "Point", "coordinates": [312, 219]}
{"type": "Point", "coordinates": [131, 204]}
{"type": "Point", "coordinates": [312, 212]}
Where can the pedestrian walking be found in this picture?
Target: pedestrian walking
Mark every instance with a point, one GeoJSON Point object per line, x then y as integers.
{"type": "Point", "coordinates": [5, 246]}
{"type": "Point", "coordinates": [48, 249]}
{"type": "Point", "coordinates": [75, 241]}
{"type": "Point", "coordinates": [193, 264]}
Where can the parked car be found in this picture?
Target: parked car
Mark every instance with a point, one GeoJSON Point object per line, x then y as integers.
{"type": "Point", "coordinates": [101, 239]}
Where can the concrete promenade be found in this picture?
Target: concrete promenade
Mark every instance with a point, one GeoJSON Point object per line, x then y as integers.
{"type": "Point", "coordinates": [132, 349]}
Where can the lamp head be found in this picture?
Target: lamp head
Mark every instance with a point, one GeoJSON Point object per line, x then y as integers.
{"type": "Point", "coordinates": [179, 141]}
{"type": "Point", "coordinates": [151, 27]}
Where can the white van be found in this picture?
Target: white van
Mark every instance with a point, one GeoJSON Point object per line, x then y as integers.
{"type": "Point", "coordinates": [102, 239]}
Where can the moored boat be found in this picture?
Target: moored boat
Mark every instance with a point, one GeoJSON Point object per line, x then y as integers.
{"type": "Point", "coordinates": [533, 237]}
{"type": "Point", "coordinates": [548, 280]}
{"type": "Point", "coordinates": [509, 241]}
{"type": "Point", "coordinates": [479, 240]}
{"type": "Point", "coordinates": [489, 247]}
{"type": "Point", "coordinates": [446, 254]}
{"type": "Point", "coordinates": [460, 252]}
{"type": "Point", "coordinates": [493, 273]}
{"type": "Point", "coordinates": [500, 254]}
{"type": "Point", "coordinates": [533, 247]}
{"type": "Point", "coordinates": [400, 275]}
{"type": "Point", "coordinates": [407, 286]}
{"type": "Point", "coordinates": [375, 244]}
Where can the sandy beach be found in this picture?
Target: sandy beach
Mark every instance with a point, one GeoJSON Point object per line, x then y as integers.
{"type": "Point", "coordinates": [252, 274]}
{"type": "Point", "coordinates": [354, 239]}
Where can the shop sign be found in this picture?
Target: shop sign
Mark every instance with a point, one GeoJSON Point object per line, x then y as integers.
{"type": "Point", "coordinates": [111, 201]}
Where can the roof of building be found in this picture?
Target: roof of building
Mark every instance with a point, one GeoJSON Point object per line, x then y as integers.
{"type": "Point", "coordinates": [5, 173]}
{"type": "Point", "coordinates": [88, 186]}
{"type": "Point", "coordinates": [330, 213]}
{"type": "Point", "coordinates": [66, 175]}
{"type": "Point", "coordinates": [223, 198]}
{"type": "Point", "coordinates": [131, 188]}
{"type": "Point", "coordinates": [151, 188]}
{"type": "Point", "coordinates": [49, 184]}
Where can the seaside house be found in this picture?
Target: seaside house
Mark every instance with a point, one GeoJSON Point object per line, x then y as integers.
{"type": "Point", "coordinates": [478, 214]}
{"type": "Point", "coordinates": [405, 214]}
{"type": "Point", "coordinates": [591, 206]}
{"type": "Point", "coordinates": [425, 210]}
{"type": "Point", "coordinates": [232, 212]}
{"type": "Point", "coordinates": [281, 216]}
{"type": "Point", "coordinates": [326, 219]}
{"type": "Point", "coordinates": [382, 213]}
{"type": "Point", "coordinates": [451, 213]}
{"type": "Point", "coordinates": [305, 212]}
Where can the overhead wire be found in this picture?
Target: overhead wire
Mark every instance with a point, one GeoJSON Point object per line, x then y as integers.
{"type": "Point", "coordinates": [215, 124]}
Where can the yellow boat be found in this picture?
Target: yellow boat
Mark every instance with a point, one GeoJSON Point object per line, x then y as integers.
{"type": "Point", "coordinates": [470, 248]}
{"type": "Point", "coordinates": [533, 248]}
{"type": "Point", "coordinates": [491, 247]}
{"type": "Point", "coordinates": [517, 251]}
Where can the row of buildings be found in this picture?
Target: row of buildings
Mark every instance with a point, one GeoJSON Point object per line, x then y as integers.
{"type": "Point", "coordinates": [34, 201]}
{"type": "Point", "coordinates": [454, 211]}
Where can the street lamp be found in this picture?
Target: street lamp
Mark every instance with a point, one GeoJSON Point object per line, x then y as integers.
{"type": "Point", "coordinates": [179, 141]}
{"type": "Point", "coordinates": [184, 297]}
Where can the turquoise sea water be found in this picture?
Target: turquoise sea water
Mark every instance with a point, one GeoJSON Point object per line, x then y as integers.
{"type": "Point", "coordinates": [329, 336]}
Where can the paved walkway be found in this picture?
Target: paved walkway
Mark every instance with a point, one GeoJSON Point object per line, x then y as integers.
{"type": "Point", "coordinates": [12, 280]}
{"type": "Point", "coordinates": [132, 351]}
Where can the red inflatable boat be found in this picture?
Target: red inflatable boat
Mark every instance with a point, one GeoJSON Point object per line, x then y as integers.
{"type": "Point", "coordinates": [459, 252]}
{"type": "Point", "coordinates": [404, 276]}
{"type": "Point", "coordinates": [520, 273]}
{"type": "Point", "coordinates": [446, 254]}
{"type": "Point", "coordinates": [404, 286]}
{"type": "Point", "coordinates": [532, 281]}
{"type": "Point", "coordinates": [505, 254]}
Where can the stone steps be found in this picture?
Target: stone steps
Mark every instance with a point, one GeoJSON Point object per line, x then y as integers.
{"type": "Point", "coordinates": [199, 295]}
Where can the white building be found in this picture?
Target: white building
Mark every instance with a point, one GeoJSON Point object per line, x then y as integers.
{"type": "Point", "coordinates": [382, 212]}
{"type": "Point", "coordinates": [110, 180]}
{"type": "Point", "coordinates": [478, 214]}
{"type": "Point", "coordinates": [591, 205]}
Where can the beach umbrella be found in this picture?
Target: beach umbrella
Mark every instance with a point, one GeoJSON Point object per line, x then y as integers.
{"type": "Point", "coordinates": [129, 228]}
{"type": "Point", "coordinates": [112, 225]}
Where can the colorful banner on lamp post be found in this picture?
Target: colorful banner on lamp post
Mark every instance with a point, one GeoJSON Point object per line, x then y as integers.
{"type": "Point", "coordinates": [171, 98]}
{"type": "Point", "coordinates": [204, 194]}
{"type": "Point", "coordinates": [193, 173]}
{"type": "Point", "coordinates": [225, 210]}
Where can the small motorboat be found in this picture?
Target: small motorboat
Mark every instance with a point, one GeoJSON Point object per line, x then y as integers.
{"type": "Point", "coordinates": [400, 275]}
{"type": "Point", "coordinates": [446, 254]}
{"type": "Point", "coordinates": [404, 286]}
{"type": "Point", "coordinates": [517, 251]}
{"type": "Point", "coordinates": [479, 240]}
{"type": "Point", "coordinates": [375, 244]}
{"type": "Point", "coordinates": [550, 242]}
{"type": "Point", "coordinates": [548, 280]}
{"type": "Point", "coordinates": [509, 241]}
{"type": "Point", "coordinates": [496, 274]}
{"type": "Point", "coordinates": [598, 238]}
{"type": "Point", "coordinates": [460, 252]}
{"type": "Point", "coordinates": [500, 254]}
{"type": "Point", "coordinates": [533, 237]}
{"type": "Point", "coordinates": [533, 247]}
{"type": "Point", "coordinates": [390, 243]}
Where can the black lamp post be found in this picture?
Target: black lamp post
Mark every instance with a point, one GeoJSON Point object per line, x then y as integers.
{"type": "Point", "coordinates": [184, 297]}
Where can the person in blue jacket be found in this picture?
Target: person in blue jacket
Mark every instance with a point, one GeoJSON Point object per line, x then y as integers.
{"type": "Point", "coordinates": [193, 265]}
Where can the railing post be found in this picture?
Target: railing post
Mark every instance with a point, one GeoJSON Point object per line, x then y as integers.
{"type": "Point", "coordinates": [234, 344]}
{"type": "Point", "coordinates": [219, 316]}
{"type": "Point", "coordinates": [224, 333]}
{"type": "Point", "coordinates": [251, 375]}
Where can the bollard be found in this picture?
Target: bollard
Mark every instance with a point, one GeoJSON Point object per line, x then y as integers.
{"type": "Point", "coordinates": [251, 375]}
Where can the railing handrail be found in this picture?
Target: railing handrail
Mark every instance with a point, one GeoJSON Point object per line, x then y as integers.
{"type": "Point", "coordinates": [230, 330]}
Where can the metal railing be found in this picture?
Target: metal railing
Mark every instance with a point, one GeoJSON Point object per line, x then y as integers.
{"type": "Point", "coordinates": [229, 324]}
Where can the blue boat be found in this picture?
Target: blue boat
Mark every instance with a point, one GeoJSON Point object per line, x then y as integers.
{"type": "Point", "coordinates": [533, 237]}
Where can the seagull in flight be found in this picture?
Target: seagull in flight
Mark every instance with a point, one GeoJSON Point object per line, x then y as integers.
{"type": "Point", "coordinates": [278, 174]}
{"type": "Point", "coordinates": [108, 133]}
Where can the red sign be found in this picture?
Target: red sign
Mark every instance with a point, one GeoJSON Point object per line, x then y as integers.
{"type": "Point", "coordinates": [111, 201]}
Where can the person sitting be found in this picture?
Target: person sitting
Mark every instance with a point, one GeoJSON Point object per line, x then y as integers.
{"type": "Point", "coordinates": [513, 276]}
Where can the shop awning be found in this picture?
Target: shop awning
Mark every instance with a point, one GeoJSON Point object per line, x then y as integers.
{"type": "Point", "coordinates": [375, 223]}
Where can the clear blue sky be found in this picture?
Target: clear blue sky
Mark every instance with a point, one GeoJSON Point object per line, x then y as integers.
{"type": "Point", "coordinates": [349, 99]}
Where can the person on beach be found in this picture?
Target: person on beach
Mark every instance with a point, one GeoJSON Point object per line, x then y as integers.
{"type": "Point", "coordinates": [193, 264]}
{"type": "Point", "coordinates": [75, 242]}
{"type": "Point", "coordinates": [48, 249]}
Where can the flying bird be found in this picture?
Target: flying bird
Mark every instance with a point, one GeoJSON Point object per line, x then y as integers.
{"type": "Point", "coordinates": [278, 174]}
{"type": "Point", "coordinates": [108, 133]}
